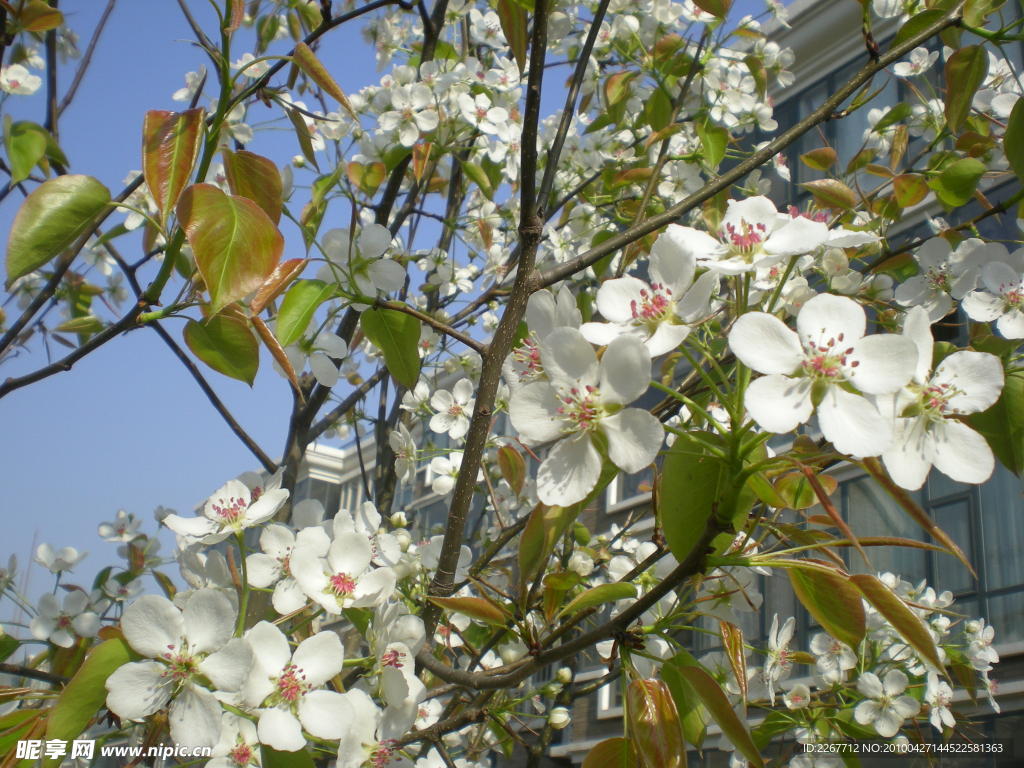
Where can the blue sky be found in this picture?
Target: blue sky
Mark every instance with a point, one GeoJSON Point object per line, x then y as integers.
{"type": "Point", "coordinates": [127, 427]}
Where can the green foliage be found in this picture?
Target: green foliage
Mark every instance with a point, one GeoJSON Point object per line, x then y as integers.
{"type": "Point", "coordinates": [397, 335]}
{"type": "Point", "coordinates": [225, 343]}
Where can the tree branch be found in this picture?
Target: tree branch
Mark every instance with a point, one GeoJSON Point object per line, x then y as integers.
{"type": "Point", "coordinates": [86, 58]}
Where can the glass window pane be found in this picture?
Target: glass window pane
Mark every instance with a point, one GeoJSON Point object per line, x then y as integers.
{"type": "Point", "coordinates": [1006, 614]}
{"type": "Point", "coordinates": [1003, 525]}
{"type": "Point", "coordinates": [955, 519]}
{"type": "Point", "coordinates": [871, 512]}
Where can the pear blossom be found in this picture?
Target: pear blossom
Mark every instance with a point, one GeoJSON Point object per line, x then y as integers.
{"type": "Point", "coordinates": [884, 708]}
{"type": "Point", "coordinates": [939, 696]}
{"type": "Point", "coordinates": [239, 745]}
{"type": "Point", "coordinates": [980, 652]}
{"type": "Point", "coordinates": [797, 697]}
{"type": "Point", "coordinates": [64, 559]}
{"type": "Point", "coordinates": [271, 567]}
{"type": "Point", "coordinates": [124, 527]}
{"type": "Point", "coordinates": [16, 79]}
{"type": "Point", "coordinates": [479, 112]}
{"type": "Point", "coordinates": [919, 61]}
{"type": "Point", "coordinates": [780, 661]}
{"type": "Point", "coordinates": [363, 262]}
{"type": "Point", "coordinates": [344, 578]}
{"type": "Point", "coordinates": [327, 347]}
{"type": "Point", "coordinates": [412, 115]}
{"type": "Point", "coordinates": [453, 409]}
{"type": "Point", "coordinates": [928, 429]}
{"type": "Point", "coordinates": [231, 509]}
{"type": "Point", "coordinates": [184, 647]}
{"type": "Point", "coordinates": [63, 623]}
{"type": "Point", "coordinates": [586, 400]}
{"type": "Point", "coordinates": [833, 658]}
{"type": "Point", "coordinates": [404, 447]}
{"type": "Point", "coordinates": [946, 274]}
{"type": "Point", "coordinates": [286, 688]}
{"type": "Point", "coordinates": [1002, 299]}
{"type": "Point", "coordinates": [545, 311]}
{"type": "Point", "coordinates": [752, 233]}
{"type": "Point", "coordinates": [661, 313]}
{"type": "Point", "coordinates": [811, 366]}
{"type": "Point", "coordinates": [193, 81]}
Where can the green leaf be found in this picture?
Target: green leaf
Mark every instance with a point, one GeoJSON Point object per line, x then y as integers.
{"type": "Point", "coordinates": [1002, 425]}
{"type": "Point", "coordinates": [833, 601]}
{"type": "Point", "coordinates": [916, 24]}
{"type": "Point", "coordinates": [297, 309]}
{"type": "Point", "coordinates": [18, 725]}
{"type": "Point", "coordinates": [397, 335]}
{"type": "Point", "coordinates": [39, 16]}
{"type": "Point", "coordinates": [225, 343]}
{"type": "Point", "coordinates": [896, 612]}
{"type": "Point", "coordinates": [956, 183]}
{"type": "Point", "coordinates": [977, 11]}
{"type": "Point", "coordinates": [366, 177]}
{"type": "Point", "coordinates": [282, 276]}
{"type": "Point", "coordinates": [257, 178]}
{"type": "Point", "coordinates": [711, 694]}
{"type": "Point", "coordinates": [544, 528]}
{"type": "Point", "coordinates": [713, 139]}
{"type": "Point", "coordinates": [478, 175]}
{"type": "Point", "coordinates": [235, 244]}
{"type": "Point", "coordinates": [616, 87]}
{"type": "Point", "coordinates": [797, 493]}
{"type": "Point", "coordinates": [820, 159]}
{"type": "Point", "coordinates": [513, 467]}
{"type": "Point", "coordinates": [53, 217]}
{"type": "Point", "coordinates": [603, 593]}
{"type": "Point", "coordinates": [832, 193]}
{"type": "Point", "coordinates": [719, 8]}
{"type": "Point", "coordinates": [692, 714]}
{"type": "Point", "coordinates": [965, 72]}
{"type": "Point", "coordinates": [893, 115]}
{"type": "Point", "coordinates": [273, 758]}
{"type": "Point", "coordinates": [170, 146]}
{"type": "Point", "coordinates": [26, 145]}
{"type": "Point", "coordinates": [8, 645]}
{"type": "Point", "coordinates": [1013, 139]}
{"type": "Point", "coordinates": [512, 16]}
{"type": "Point", "coordinates": [302, 135]}
{"type": "Point", "coordinates": [475, 608]}
{"type": "Point", "coordinates": [616, 752]}
{"type": "Point", "coordinates": [85, 694]}
{"type": "Point", "coordinates": [909, 189]}
{"type": "Point", "coordinates": [658, 110]}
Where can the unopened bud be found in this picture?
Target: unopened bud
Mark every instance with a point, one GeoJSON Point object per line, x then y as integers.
{"type": "Point", "coordinates": [399, 520]}
{"type": "Point", "coordinates": [559, 718]}
{"type": "Point", "coordinates": [563, 675]}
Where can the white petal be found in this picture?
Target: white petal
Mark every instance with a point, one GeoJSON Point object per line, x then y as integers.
{"type": "Point", "coordinates": [195, 717]}
{"type": "Point", "coordinates": [907, 457]}
{"type": "Point", "coordinates": [568, 356]}
{"type": "Point", "coordinates": [533, 412]}
{"type": "Point", "coordinates": [569, 472]}
{"type": "Point", "coordinates": [350, 553]}
{"type": "Point", "coordinates": [801, 235]}
{"type": "Point", "coordinates": [961, 453]}
{"type": "Point", "coordinates": [325, 714]}
{"type": "Point", "coordinates": [999, 277]}
{"type": "Point", "coordinates": [634, 438]}
{"type": "Point", "coordinates": [666, 337]}
{"type": "Point", "coordinates": [625, 370]}
{"type": "Point", "coordinates": [152, 625]}
{"type": "Point", "coordinates": [616, 298]}
{"type": "Point", "coordinates": [320, 657]}
{"type": "Point", "coordinates": [779, 403]}
{"type": "Point", "coordinates": [694, 304]}
{"type": "Point", "coordinates": [228, 668]}
{"type": "Point", "coordinates": [280, 730]}
{"type": "Point", "coordinates": [870, 685]}
{"type": "Point", "coordinates": [764, 343]}
{"type": "Point", "coordinates": [194, 527]}
{"type": "Point", "coordinates": [138, 690]}
{"type": "Point", "coordinates": [374, 239]}
{"type": "Point", "coordinates": [262, 570]}
{"type": "Point", "coordinates": [374, 587]}
{"type": "Point", "coordinates": [1011, 325]}
{"type": "Point", "coordinates": [917, 328]}
{"type": "Point", "coordinates": [277, 539]}
{"type": "Point", "coordinates": [976, 377]}
{"type": "Point", "coordinates": [753, 211]}
{"type": "Point", "coordinates": [287, 597]}
{"type": "Point", "coordinates": [983, 307]}
{"type": "Point", "coordinates": [324, 371]}
{"type": "Point", "coordinates": [209, 620]}
{"type": "Point", "coordinates": [388, 275]}
{"type": "Point", "coordinates": [602, 333]}
{"type": "Point", "coordinates": [884, 363]}
{"type": "Point", "coordinates": [852, 424]}
{"type": "Point", "coordinates": [828, 317]}
{"type": "Point", "coordinates": [670, 266]}
{"type": "Point", "coordinates": [688, 242]}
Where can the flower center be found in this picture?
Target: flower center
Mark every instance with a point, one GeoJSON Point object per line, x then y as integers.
{"type": "Point", "coordinates": [1013, 296]}
{"type": "Point", "coordinates": [241, 755]}
{"type": "Point", "coordinates": [230, 510]}
{"type": "Point", "coordinates": [63, 621]}
{"type": "Point", "coordinates": [582, 408]}
{"type": "Point", "coordinates": [938, 279]}
{"type": "Point", "coordinates": [381, 754]}
{"type": "Point", "coordinates": [291, 684]}
{"type": "Point", "coordinates": [654, 305]}
{"type": "Point", "coordinates": [745, 239]}
{"type": "Point", "coordinates": [342, 585]}
{"type": "Point", "coordinates": [826, 360]}
{"type": "Point", "coordinates": [181, 664]}
{"type": "Point", "coordinates": [527, 354]}
{"type": "Point", "coordinates": [391, 658]}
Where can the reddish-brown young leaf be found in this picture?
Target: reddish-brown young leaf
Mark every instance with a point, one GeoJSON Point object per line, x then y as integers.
{"type": "Point", "coordinates": [719, 8]}
{"type": "Point", "coordinates": [732, 644]}
{"type": "Point", "coordinates": [420, 155]}
{"type": "Point", "coordinates": [282, 276]}
{"type": "Point", "coordinates": [170, 145]}
{"type": "Point", "coordinates": [654, 727]}
{"type": "Point", "coordinates": [257, 178]}
{"type": "Point", "coordinates": [716, 702]}
{"type": "Point", "coordinates": [39, 16]}
{"type": "Point", "coordinates": [235, 244]}
{"type": "Point", "coordinates": [512, 16]}
{"type": "Point", "coordinates": [308, 62]}
{"type": "Point", "coordinates": [616, 752]}
{"type": "Point", "coordinates": [474, 607]}
{"type": "Point", "coordinates": [512, 466]}
{"type": "Point", "coordinates": [274, 346]}
{"type": "Point", "coordinates": [236, 17]}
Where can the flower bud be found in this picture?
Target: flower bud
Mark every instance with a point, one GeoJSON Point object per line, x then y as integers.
{"type": "Point", "coordinates": [559, 718]}
{"type": "Point", "coordinates": [399, 520]}
{"type": "Point", "coordinates": [654, 726]}
{"type": "Point", "coordinates": [404, 538]}
{"type": "Point", "coordinates": [563, 675]}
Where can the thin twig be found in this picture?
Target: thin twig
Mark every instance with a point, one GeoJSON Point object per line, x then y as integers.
{"type": "Point", "coordinates": [86, 58]}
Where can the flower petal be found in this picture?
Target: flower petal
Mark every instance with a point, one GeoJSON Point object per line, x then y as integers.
{"type": "Point", "coordinates": [828, 317]}
{"type": "Point", "coordinates": [152, 624]}
{"type": "Point", "coordinates": [882, 363]}
{"type": "Point", "coordinates": [350, 553]}
{"type": "Point", "coordinates": [961, 453]}
{"type": "Point", "coordinates": [616, 298]}
{"type": "Point", "coordinates": [625, 370]}
{"type": "Point", "coordinates": [634, 438]}
{"type": "Point", "coordinates": [908, 456]}
{"type": "Point", "coordinates": [228, 668]}
{"type": "Point", "coordinates": [764, 343]}
{"type": "Point", "coordinates": [320, 657]}
{"type": "Point", "coordinates": [533, 412]}
{"type": "Point", "coordinates": [568, 356]}
{"type": "Point", "coordinates": [209, 620]}
{"type": "Point", "coordinates": [262, 570]}
{"type": "Point", "coordinates": [852, 424]}
{"type": "Point", "coordinates": [325, 714]}
{"type": "Point", "coordinates": [779, 403]}
{"type": "Point", "coordinates": [195, 717]}
{"type": "Point", "coordinates": [569, 472]}
{"type": "Point", "coordinates": [976, 379]}
{"type": "Point", "coordinates": [280, 729]}
{"type": "Point", "coordinates": [138, 690]}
